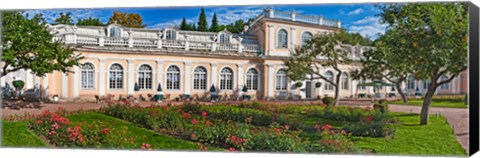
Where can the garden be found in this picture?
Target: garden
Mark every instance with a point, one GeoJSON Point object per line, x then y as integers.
{"type": "Point", "coordinates": [240, 127]}
{"type": "Point", "coordinates": [456, 101]}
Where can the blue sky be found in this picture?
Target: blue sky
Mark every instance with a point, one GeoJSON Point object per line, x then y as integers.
{"type": "Point", "coordinates": [354, 17]}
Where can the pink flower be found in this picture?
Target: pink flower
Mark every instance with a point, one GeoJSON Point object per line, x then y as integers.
{"type": "Point", "coordinates": [194, 121]}
{"type": "Point", "coordinates": [287, 127]}
{"type": "Point", "coordinates": [277, 131]}
{"type": "Point", "coordinates": [204, 114]}
{"type": "Point", "coordinates": [332, 131]}
{"type": "Point", "coordinates": [186, 115]}
{"type": "Point", "coordinates": [343, 132]}
{"type": "Point", "coordinates": [326, 127]}
{"type": "Point", "coordinates": [193, 136]}
{"type": "Point", "coordinates": [145, 146]}
{"type": "Point", "coordinates": [105, 130]}
{"type": "Point", "coordinates": [231, 150]}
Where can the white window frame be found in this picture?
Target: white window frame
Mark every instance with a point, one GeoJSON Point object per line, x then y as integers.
{"type": "Point", "coordinates": [114, 81]}
{"type": "Point", "coordinates": [282, 40]}
{"type": "Point", "coordinates": [345, 81]}
{"type": "Point", "coordinates": [329, 76]}
{"type": "Point", "coordinates": [145, 77]}
{"type": "Point", "coordinates": [281, 80]}
{"type": "Point", "coordinates": [87, 77]}
{"type": "Point", "coordinates": [226, 79]}
{"type": "Point", "coordinates": [200, 78]}
{"type": "Point", "coordinates": [173, 75]}
{"type": "Point", "coordinates": [252, 79]}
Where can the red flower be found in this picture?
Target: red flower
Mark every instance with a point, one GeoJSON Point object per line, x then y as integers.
{"type": "Point", "coordinates": [194, 121]}
{"type": "Point", "coordinates": [332, 131]}
{"type": "Point", "coordinates": [186, 115]}
{"type": "Point", "coordinates": [204, 114]}
{"type": "Point", "coordinates": [204, 148]}
{"type": "Point", "coordinates": [287, 127]}
{"type": "Point", "coordinates": [317, 126]}
{"type": "Point", "coordinates": [326, 127]}
{"type": "Point", "coordinates": [277, 131]}
{"type": "Point", "coordinates": [105, 130]}
{"type": "Point", "coordinates": [369, 119]}
{"type": "Point", "coordinates": [343, 132]}
{"type": "Point", "coordinates": [38, 122]}
{"type": "Point", "coordinates": [231, 150]}
{"type": "Point", "coordinates": [146, 146]}
{"type": "Point", "coordinates": [192, 136]}
{"type": "Point", "coordinates": [208, 123]}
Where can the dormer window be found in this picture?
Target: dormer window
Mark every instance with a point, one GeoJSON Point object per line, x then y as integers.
{"type": "Point", "coordinates": [171, 35]}
{"type": "Point", "coordinates": [224, 38]}
{"type": "Point", "coordinates": [115, 31]}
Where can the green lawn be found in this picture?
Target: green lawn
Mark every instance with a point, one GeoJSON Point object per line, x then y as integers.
{"type": "Point", "coordinates": [439, 103]}
{"type": "Point", "coordinates": [436, 138]}
{"type": "Point", "coordinates": [17, 134]}
{"type": "Point", "coordinates": [127, 130]}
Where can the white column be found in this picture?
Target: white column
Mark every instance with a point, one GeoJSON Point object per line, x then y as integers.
{"type": "Point", "coordinates": [64, 85]}
{"type": "Point", "coordinates": [271, 76]}
{"type": "Point", "coordinates": [45, 86]}
{"type": "Point", "coordinates": [159, 73]}
{"type": "Point", "coordinates": [101, 77]}
{"type": "Point", "coordinates": [293, 37]}
{"type": "Point", "coordinates": [454, 89]}
{"type": "Point", "coordinates": [240, 80]}
{"type": "Point", "coordinates": [187, 74]}
{"type": "Point", "coordinates": [271, 33]}
{"type": "Point", "coordinates": [353, 87]}
{"type": "Point", "coordinates": [214, 74]}
{"type": "Point", "coordinates": [28, 79]}
{"type": "Point", "coordinates": [76, 81]}
{"type": "Point", "coordinates": [131, 78]}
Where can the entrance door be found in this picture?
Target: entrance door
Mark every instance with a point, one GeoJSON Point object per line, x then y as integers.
{"type": "Point", "coordinates": [308, 89]}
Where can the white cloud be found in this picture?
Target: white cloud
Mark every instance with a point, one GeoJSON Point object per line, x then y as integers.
{"type": "Point", "coordinates": [368, 27]}
{"type": "Point", "coordinates": [355, 12]}
{"type": "Point", "coordinates": [224, 16]}
{"type": "Point", "coordinates": [51, 15]}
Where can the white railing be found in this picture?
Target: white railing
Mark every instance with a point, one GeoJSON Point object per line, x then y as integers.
{"type": "Point", "coordinates": [173, 44]}
{"type": "Point", "coordinates": [145, 42]}
{"type": "Point", "coordinates": [227, 47]}
{"type": "Point", "coordinates": [153, 43]}
{"type": "Point", "coordinates": [282, 15]}
{"type": "Point", "coordinates": [292, 16]}
{"type": "Point", "coordinates": [307, 19]}
{"type": "Point", "coordinates": [200, 45]}
{"type": "Point", "coordinates": [87, 40]}
{"type": "Point", "coordinates": [116, 41]}
{"type": "Point", "coordinates": [251, 48]}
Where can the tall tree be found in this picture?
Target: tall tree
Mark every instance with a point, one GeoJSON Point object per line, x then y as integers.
{"type": "Point", "coordinates": [132, 20]}
{"type": "Point", "coordinates": [184, 25]}
{"type": "Point", "coordinates": [90, 22]}
{"type": "Point", "coordinates": [437, 35]}
{"type": "Point", "coordinates": [387, 61]}
{"type": "Point", "coordinates": [214, 27]}
{"type": "Point", "coordinates": [202, 21]}
{"type": "Point", "coordinates": [194, 28]}
{"type": "Point", "coordinates": [28, 45]}
{"type": "Point", "coordinates": [64, 19]}
{"type": "Point", "coordinates": [332, 47]}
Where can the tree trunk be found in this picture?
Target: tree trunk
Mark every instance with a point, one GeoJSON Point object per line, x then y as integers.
{"type": "Point", "coordinates": [399, 90]}
{"type": "Point", "coordinates": [337, 88]}
{"type": "Point", "coordinates": [337, 98]}
{"type": "Point", "coordinates": [426, 104]}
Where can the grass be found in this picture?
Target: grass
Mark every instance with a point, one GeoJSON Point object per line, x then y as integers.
{"type": "Point", "coordinates": [141, 135]}
{"type": "Point", "coordinates": [17, 134]}
{"type": "Point", "coordinates": [436, 138]}
{"type": "Point", "coordinates": [435, 103]}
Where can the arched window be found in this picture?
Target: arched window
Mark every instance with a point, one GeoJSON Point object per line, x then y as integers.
{"type": "Point", "coordinates": [145, 77]}
{"type": "Point", "coordinates": [173, 78]}
{"type": "Point", "coordinates": [171, 35]}
{"type": "Point", "coordinates": [410, 82]}
{"type": "Point", "coordinates": [226, 79]}
{"type": "Point", "coordinates": [282, 39]}
{"type": "Point", "coordinates": [345, 81]}
{"type": "Point", "coordinates": [88, 76]}
{"type": "Point", "coordinates": [115, 31]}
{"type": "Point", "coordinates": [281, 80]}
{"type": "Point", "coordinates": [306, 36]}
{"type": "Point", "coordinates": [252, 79]}
{"type": "Point", "coordinates": [426, 83]}
{"type": "Point", "coordinates": [445, 85]}
{"type": "Point", "coordinates": [116, 76]}
{"type": "Point", "coordinates": [200, 78]}
{"type": "Point", "coordinates": [360, 82]}
{"type": "Point", "coordinates": [224, 38]}
{"type": "Point", "coordinates": [329, 76]}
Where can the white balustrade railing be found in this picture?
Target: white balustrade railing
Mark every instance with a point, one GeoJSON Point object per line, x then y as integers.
{"type": "Point", "coordinates": [302, 18]}
{"type": "Point", "coordinates": [282, 15]}
{"type": "Point", "coordinates": [307, 19]}
{"type": "Point", "coordinates": [87, 40]}
{"type": "Point", "coordinates": [173, 44]}
{"type": "Point", "coordinates": [145, 42]}
{"type": "Point", "coordinates": [115, 41]}
{"type": "Point", "coordinates": [251, 48]}
{"type": "Point", "coordinates": [153, 43]}
{"type": "Point", "coordinates": [200, 45]}
{"type": "Point", "coordinates": [227, 47]}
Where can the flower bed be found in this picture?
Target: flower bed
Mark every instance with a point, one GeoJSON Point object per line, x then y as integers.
{"type": "Point", "coordinates": [93, 130]}
{"type": "Point", "coordinates": [223, 133]}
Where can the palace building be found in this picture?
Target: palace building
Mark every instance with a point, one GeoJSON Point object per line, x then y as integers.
{"type": "Point", "coordinates": [132, 61]}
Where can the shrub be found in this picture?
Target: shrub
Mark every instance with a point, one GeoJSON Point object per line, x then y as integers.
{"type": "Point", "coordinates": [381, 106]}
{"type": "Point", "coordinates": [328, 101]}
